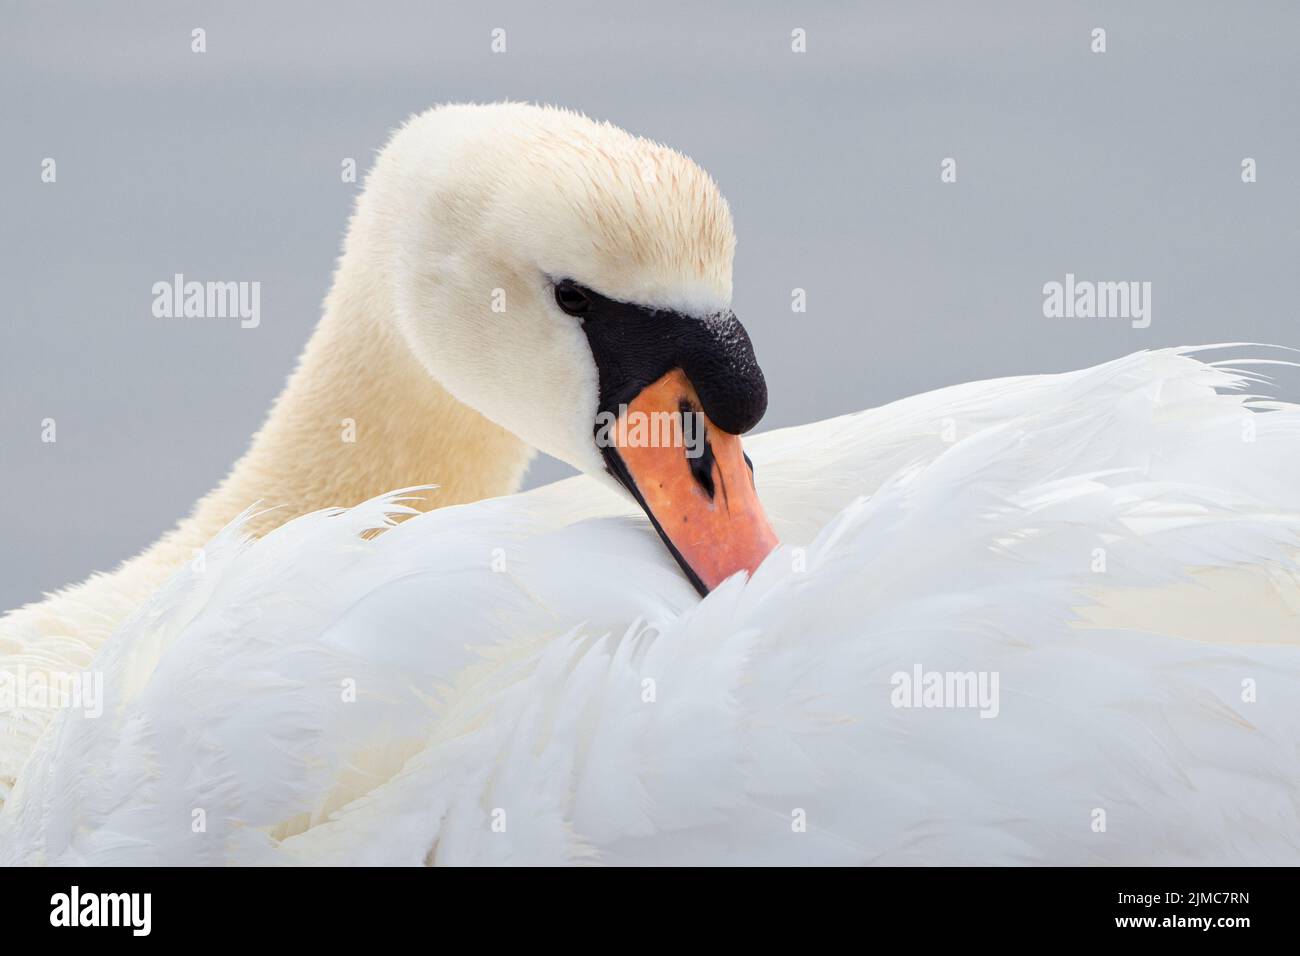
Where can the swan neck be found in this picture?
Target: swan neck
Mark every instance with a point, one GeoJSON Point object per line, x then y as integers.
{"type": "Point", "coordinates": [360, 417]}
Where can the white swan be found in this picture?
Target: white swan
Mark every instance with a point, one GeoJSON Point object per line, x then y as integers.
{"type": "Point", "coordinates": [533, 679]}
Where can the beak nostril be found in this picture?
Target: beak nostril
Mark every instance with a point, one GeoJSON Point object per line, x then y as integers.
{"type": "Point", "coordinates": [702, 466]}
{"type": "Point", "coordinates": [695, 445]}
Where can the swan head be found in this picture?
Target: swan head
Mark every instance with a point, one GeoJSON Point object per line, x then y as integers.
{"type": "Point", "coordinates": [572, 283]}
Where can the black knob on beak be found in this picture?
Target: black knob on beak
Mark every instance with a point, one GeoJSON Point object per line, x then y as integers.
{"type": "Point", "coordinates": [718, 357]}
{"type": "Point", "coordinates": [634, 345]}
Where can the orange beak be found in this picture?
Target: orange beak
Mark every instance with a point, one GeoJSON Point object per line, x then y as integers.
{"type": "Point", "coordinates": [692, 479]}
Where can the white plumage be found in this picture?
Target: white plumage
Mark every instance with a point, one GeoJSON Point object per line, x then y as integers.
{"type": "Point", "coordinates": [536, 682]}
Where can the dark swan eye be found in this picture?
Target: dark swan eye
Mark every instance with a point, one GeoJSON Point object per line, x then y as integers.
{"type": "Point", "coordinates": [571, 297]}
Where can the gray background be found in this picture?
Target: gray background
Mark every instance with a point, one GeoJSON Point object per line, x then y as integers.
{"type": "Point", "coordinates": [225, 165]}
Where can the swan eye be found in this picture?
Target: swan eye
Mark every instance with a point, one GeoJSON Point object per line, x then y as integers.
{"type": "Point", "coordinates": [571, 297]}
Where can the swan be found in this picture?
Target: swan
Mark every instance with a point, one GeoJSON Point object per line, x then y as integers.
{"type": "Point", "coordinates": [1041, 619]}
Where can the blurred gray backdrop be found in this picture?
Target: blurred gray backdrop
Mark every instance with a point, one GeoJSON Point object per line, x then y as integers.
{"type": "Point", "coordinates": [225, 165]}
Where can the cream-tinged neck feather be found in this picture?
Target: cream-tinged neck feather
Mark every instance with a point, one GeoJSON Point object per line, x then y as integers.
{"type": "Point", "coordinates": [359, 417]}
{"type": "Point", "coordinates": [356, 377]}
